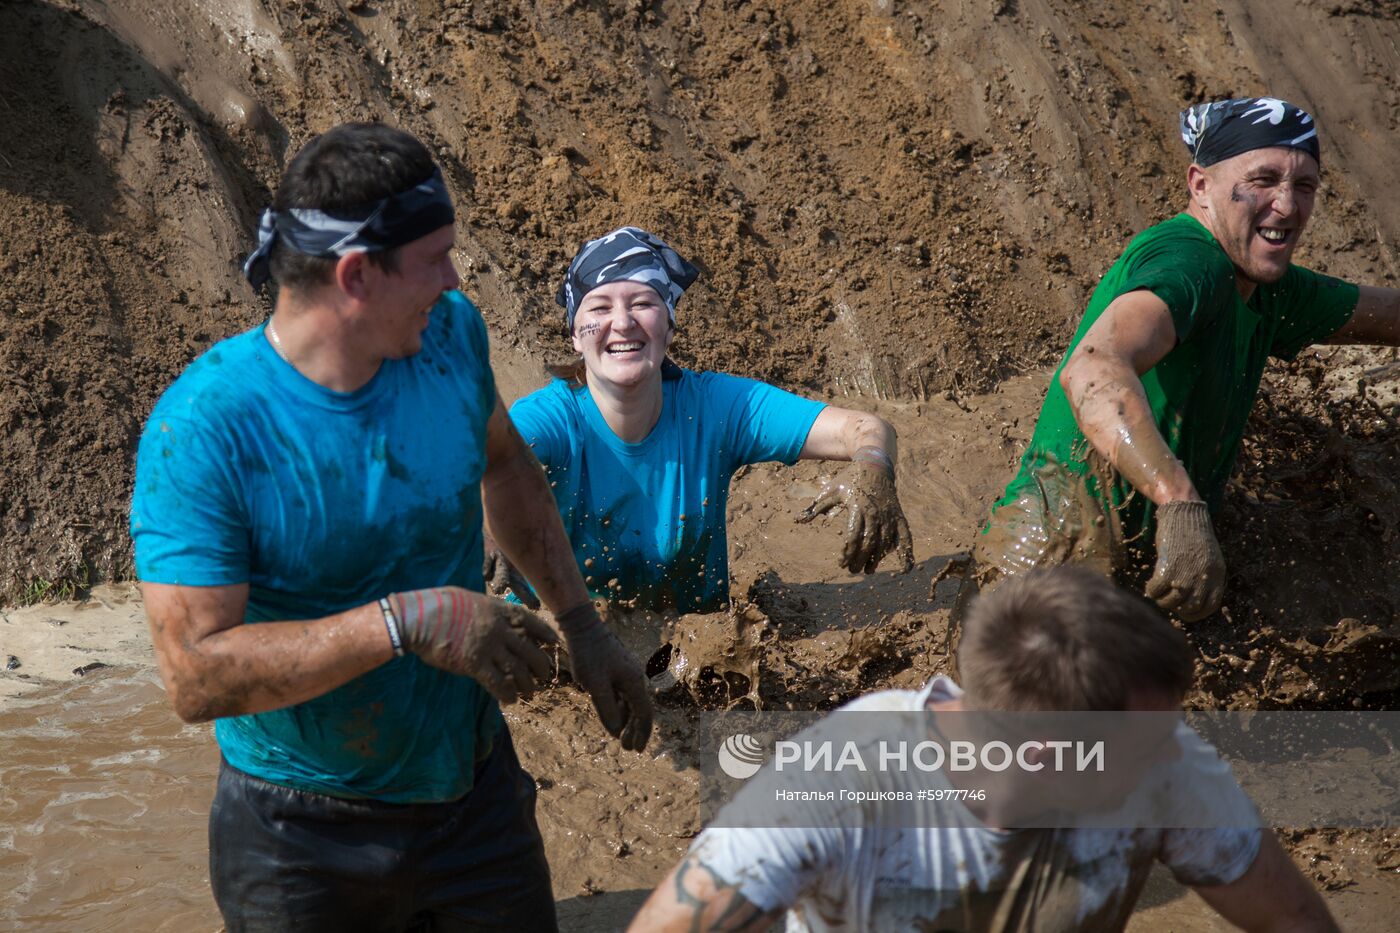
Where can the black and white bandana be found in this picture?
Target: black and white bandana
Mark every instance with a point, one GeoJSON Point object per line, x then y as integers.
{"type": "Point", "coordinates": [398, 219]}
{"type": "Point", "coordinates": [628, 254]}
{"type": "Point", "coordinates": [1217, 130]}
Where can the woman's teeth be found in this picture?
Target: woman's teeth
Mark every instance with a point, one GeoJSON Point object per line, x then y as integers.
{"type": "Point", "coordinates": [624, 347]}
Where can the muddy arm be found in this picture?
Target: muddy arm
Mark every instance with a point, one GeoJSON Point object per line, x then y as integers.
{"type": "Point", "coordinates": [1101, 381]}
{"type": "Point", "coordinates": [839, 432]}
{"type": "Point", "coordinates": [1271, 897]}
{"type": "Point", "coordinates": [875, 524]}
{"type": "Point", "coordinates": [213, 665]}
{"type": "Point", "coordinates": [693, 897]}
{"type": "Point", "coordinates": [1376, 319]}
{"type": "Point", "coordinates": [522, 517]}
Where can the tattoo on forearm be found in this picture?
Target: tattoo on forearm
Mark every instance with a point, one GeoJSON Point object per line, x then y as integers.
{"type": "Point", "coordinates": [737, 914]}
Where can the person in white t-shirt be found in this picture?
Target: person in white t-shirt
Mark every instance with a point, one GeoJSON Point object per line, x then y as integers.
{"type": "Point", "coordinates": [1061, 639]}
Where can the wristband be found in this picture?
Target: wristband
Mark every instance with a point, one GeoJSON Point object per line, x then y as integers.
{"type": "Point", "coordinates": [874, 455]}
{"type": "Point", "coordinates": [391, 622]}
{"type": "Point", "coordinates": [580, 619]}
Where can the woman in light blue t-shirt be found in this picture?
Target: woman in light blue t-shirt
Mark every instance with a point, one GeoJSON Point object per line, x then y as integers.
{"type": "Point", "coordinates": [640, 452]}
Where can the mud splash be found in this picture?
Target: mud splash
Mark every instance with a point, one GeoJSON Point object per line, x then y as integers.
{"type": "Point", "coordinates": [1055, 520]}
{"type": "Point", "coordinates": [716, 659]}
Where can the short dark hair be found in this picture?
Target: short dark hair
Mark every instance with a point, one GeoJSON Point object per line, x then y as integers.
{"type": "Point", "coordinates": [345, 168]}
{"type": "Point", "coordinates": [1068, 638]}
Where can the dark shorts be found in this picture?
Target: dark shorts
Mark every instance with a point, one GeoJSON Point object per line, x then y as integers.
{"type": "Point", "coordinates": [284, 860]}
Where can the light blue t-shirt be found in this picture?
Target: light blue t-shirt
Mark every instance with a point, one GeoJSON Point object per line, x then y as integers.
{"type": "Point", "coordinates": [322, 501]}
{"type": "Point", "coordinates": [651, 515]}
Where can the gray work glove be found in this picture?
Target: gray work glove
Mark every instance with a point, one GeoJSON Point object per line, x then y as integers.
{"type": "Point", "coordinates": [502, 577]}
{"type": "Point", "coordinates": [497, 644]}
{"type": "Point", "coordinates": [1189, 579]}
{"type": "Point", "coordinates": [875, 523]}
{"type": "Point", "coordinates": [612, 677]}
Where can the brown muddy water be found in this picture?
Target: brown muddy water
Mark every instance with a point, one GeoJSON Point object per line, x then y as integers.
{"type": "Point", "coordinates": [104, 799]}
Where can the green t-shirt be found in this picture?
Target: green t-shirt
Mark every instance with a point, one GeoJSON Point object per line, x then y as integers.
{"type": "Point", "coordinates": [1201, 392]}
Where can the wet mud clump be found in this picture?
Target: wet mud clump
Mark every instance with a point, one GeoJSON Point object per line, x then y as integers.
{"type": "Point", "coordinates": [1309, 528]}
{"type": "Point", "coordinates": [716, 659]}
{"type": "Point", "coordinates": [746, 659]}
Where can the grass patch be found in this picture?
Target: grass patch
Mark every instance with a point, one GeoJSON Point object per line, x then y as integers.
{"type": "Point", "coordinates": [44, 590]}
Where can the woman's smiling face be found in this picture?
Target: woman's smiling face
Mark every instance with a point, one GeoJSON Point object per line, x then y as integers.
{"type": "Point", "coordinates": [622, 330]}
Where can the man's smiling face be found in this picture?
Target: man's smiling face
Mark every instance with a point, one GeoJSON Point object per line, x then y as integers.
{"type": "Point", "coordinates": [1256, 204]}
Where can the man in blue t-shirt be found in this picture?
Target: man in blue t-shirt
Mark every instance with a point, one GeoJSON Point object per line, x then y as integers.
{"type": "Point", "coordinates": [308, 526]}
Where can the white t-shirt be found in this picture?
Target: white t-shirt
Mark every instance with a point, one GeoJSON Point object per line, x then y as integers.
{"type": "Point", "coordinates": [965, 876]}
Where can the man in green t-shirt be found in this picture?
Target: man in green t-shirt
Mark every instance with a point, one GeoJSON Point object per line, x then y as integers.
{"type": "Point", "coordinates": [1143, 419]}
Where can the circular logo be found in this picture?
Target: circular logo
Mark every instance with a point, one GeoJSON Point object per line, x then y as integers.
{"type": "Point", "coordinates": [741, 756]}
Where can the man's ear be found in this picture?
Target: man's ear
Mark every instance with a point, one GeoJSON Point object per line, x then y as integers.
{"type": "Point", "coordinates": [351, 273]}
{"type": "Point", "coordinates": [1198, 185]}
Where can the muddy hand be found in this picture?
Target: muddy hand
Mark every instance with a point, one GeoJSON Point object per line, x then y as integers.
{"type": "Point", "coordinates": [1189, 579]}
{"type": "Point", "coordinates": [875, 523]}
{"type": "Point", "coordinates": [502, 577]}
{"type": "Point", "coordinates": [497, 644]}
{"type": "Point", "coordinates": [612, 677]}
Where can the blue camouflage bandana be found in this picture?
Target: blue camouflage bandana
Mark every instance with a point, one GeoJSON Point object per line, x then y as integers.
{"type": "Point", "coordinates": [628, 254]}
{"type": "Point", "coordinates": [398, 219]}
{"type": "Point", "coordinates": [1218, 130]}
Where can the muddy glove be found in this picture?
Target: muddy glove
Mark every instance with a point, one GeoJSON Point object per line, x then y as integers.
{"type": "Point", "coordinates": [875, 523]}
{"type": "Point", "coordinates": [612, 677]}
{"type": "Point", "coordinates": [502, 577]}
{"type": "Point", "coordinates": [1189, 579]}
{"type": "Point", "coordinates": [495, 643]}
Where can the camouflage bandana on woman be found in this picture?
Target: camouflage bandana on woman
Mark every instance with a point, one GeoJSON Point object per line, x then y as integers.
{"type": "Point", "coordinates": [1218, 130]}
{"type": "Point", "coordinates": [398, 219]}
{"type": "Point", "coordinates": [628, 254]}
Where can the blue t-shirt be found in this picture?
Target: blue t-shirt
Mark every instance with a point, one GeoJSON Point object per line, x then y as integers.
{"type": "Point", "coordinates": [651, 515]}
{"type": "Point", "coordinates": [248, 472]}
